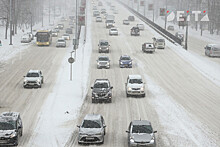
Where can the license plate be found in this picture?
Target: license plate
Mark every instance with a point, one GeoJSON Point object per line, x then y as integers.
{"type": "Point", "coordinates": [89, 138]}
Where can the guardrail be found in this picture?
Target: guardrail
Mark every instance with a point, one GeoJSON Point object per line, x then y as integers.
{"type": "Point", "coordinates": [172, 38]}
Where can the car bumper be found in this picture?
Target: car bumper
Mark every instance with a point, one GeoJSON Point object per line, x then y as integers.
{"type": "Point", "coordinates": [113, 33]}
{"type": "Point", "coordinates": [90, 139]}
{"type": "Point", "coordinates": [125, 65]}
{"type": "Point", "coordinates": [142, 145]}
{"type": "Point", "coordinates": [149, 50]}
{"type": "Point", "coordinates": [9, 141]}
{"type": "Point", "coordinates": [103, 50]}
{"type": "Point", "coordinates": [61, 45]}
{"type": "Point", "coordinates": [135, 92]}
{"type": "Point", "coordinates": [161, 46]}
{"type": "Point", "coordinates": [34, 84]}
{"type": "Point", "coordinates": [103, 66]}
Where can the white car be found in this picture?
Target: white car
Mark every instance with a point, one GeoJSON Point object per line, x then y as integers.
{"type": "Point", "coordinates": [126, 22]}
{"type": "Point", "coordinates": [34, 78]}
{"type": "Point", "coordinates": [26, 38]}
{"type": "Point", "coordinates": [66, 36]}
{"type": "Point", "coordinates": [135, 86]}
{"type": "Point", "coordinates": [148, 47]}
{"type": "Point", "coordinates": [140, 26]}
{"type": "Point", "coordinates": [113, 31]}
{"type": "Point", "coordinates": [61, 42]}
{"type": "Point", "coordinates": [54, 33]}
{"type": "Point", "coordinates": [159, 43]}
{"type": "Point", "coordinates": [98, 19]}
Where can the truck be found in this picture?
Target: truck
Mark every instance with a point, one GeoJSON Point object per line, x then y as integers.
{"type": "Point", "coordinates": [110, 21]}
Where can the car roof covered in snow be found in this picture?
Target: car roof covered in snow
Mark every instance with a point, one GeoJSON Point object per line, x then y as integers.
{"type": "Point", "coordinates": [134, 77]}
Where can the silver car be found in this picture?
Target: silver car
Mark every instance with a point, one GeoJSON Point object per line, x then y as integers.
{"type": "Point", "coordinates": [103, 62]}
{"type": "Point", "coordinates": [34, 78]}
{"type": "Point", "coordinates": [212, 50]}
{"type": "Point", "coordinates": [92, 129]}
{"type": "Point", "coordinates": [61, 42]}
{"type": "Point", "coordinates": [113, 31]}
{"type": "Point", "coordinates": [140, 133]}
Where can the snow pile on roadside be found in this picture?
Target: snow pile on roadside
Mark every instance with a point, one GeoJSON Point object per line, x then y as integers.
{"type": "Point", "coordinates": [56, 119]}
{"type": "Point", "coordinates": [177, 124]}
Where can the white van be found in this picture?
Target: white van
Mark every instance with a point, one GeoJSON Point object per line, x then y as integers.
{"type": "Point", "coordinates": [212, 50]}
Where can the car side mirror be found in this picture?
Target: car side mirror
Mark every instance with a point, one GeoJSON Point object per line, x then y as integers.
{"type": "Point", "coordinates": [127, 131]}
{"type": "Point", "coordinates": [91, 87]}
{"type": "Point", "coordinates": [204, 47]}
{"type": "Point", "coordinates": [24, 76]}
{"type": "Point", "coordinates": [16, 130]}
{"type": "Point", "coordinates": [111, 87]}
{"type": "Point", "coordinates": [104, 126]}
{"type": "Point", "coordinates": [78, 126]}
{"type": "Point", "coordinates": [155, 132]}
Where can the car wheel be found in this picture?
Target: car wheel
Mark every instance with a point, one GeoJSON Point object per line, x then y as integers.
{"type": "Point", "coordinates": [110, 101]}
{"type": "Point", "coordinates": [127, 95]}
{"type": "Point", "coordinates": [93, 101]}
{"type": "Point", "coordinates": [39, 86]}
{"type": "Point", "coordinates": [102, 140]}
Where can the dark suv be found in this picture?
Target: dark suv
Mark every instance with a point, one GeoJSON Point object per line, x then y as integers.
{"type": "Point", "coordinates": [11, 128]}
{"type": "Point", "coordinates": [101, 91]}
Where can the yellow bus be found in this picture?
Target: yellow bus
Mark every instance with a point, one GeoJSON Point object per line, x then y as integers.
{"type": "Point", "coordinates": [44, 37]}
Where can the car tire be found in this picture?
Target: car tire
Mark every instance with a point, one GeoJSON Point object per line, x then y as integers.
{"type": "Point", "coordinates": [39, 86]}
{"type": "Point", "coordinates": [93, 101]}
{"type": "Point", "coordinates": [127, 95]}
{"type": "Point", "coordinates": [110, 101]}
{"type": "Point", "coordinates": [102, 140]}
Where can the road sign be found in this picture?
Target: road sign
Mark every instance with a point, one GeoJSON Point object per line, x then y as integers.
{"type": "Point", "coordinates": [162, 12]}
{"type": "Point", "coordinates": [71, 60]}
{"type": "Point", "coordinates": [142, 3]}
{"type": "Point", "coordinates": [182, 21]}
{"type": "Point", "coordinates": [81, 20]}
{"type": "Point", "coordinates": [150, 7]}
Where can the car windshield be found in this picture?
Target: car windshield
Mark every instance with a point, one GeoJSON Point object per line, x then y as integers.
{"type": "Point", "coordinates": [160, 40]}
{"type": "Point", "coordinates": [65, 35]}
{"type": "Point", "coordinates": [104, 43]}
{"type": "Point", "coordinates": [142, 129]}
{"type": "Point", "coordinates": [32, 75]}
{"type": "Point", "coordinates": [61, 40]}
{"type": "Point", "coordinates": [101, 85]}
{"type": "Point", "coordinates": [7, 126]}
{"type": "Point", "coordinates": [125, 58]}
{"type": "Point", "coordinates": [113, 29]}
{"type": "Point", "coordinates": [135, 81]}
{"type": "Point", "coordinates": [91, 124]}
{"type": "Point", "coordinates": [103, 59]}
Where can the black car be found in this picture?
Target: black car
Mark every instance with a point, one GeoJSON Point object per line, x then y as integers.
{"type": "Point", "coordinates": [101, 91]}
{"type": "Point", "coordinates": [135, 31]}
{"type": "Point", "coordinates": [11, 128]}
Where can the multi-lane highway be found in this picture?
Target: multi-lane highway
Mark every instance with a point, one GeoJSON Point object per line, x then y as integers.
{"type": "Point", "coordinates": [194, 99]}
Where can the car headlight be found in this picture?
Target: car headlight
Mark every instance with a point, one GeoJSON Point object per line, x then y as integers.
{"type": "Point", "coordinates": [132, 140]}
{"type": "Point", "coordinates": [129, 63]}
{"type": "Point", "coordinates": [12, 135]}
{"type": "Point", "coordinates": [25, 80]}
{"type": "Point", "coordinates": [121, 62]}
{"type": "Point", "coordinates": [129, 89]}
{"type": "Point", "coordinates": [142, 88]}
{"type": "Point", "coordinates": [107, 63]}
{"type": "Point", "coordinates": [99, 133]}
{"type": "Point", "coordinates": [38, 80]}
{"type": "Point", "coordinates": [100, 48]}
{"type": "Point", "coordinates": [152, 140]}
{"type": "Point", "coordinates": [107, 48]}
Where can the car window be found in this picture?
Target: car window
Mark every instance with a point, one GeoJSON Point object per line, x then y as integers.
{"type": "Point", "coordinates": [61, 40]}
{"type": "Point", "coordinates": [33, 75]}
{"type": "Point", "coordinates": [101, 85]}
{"type": "Point", "coordinates": [91, 124]}
{"type": "Point", "coordinates": [160, 40]}
{"type": "Point", "coordinates": [142, 129]}
{"type": "Point", "coordinates": [208, 48]}
{"type": "Point", "coordinates": [7, 126]}
{"type": "Point", "coordinates": [135, 81]}
{"type": "Point", "coordinates": [104, 43]}
{"type": "Point", "coordinates": [103, 59]}
{"type": "Point", "coordinates": [125, 58]}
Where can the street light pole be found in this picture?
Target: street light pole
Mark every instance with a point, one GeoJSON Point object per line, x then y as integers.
{"type": "Point", "coordinates": [10, 22]}
{"type": "Point", "coordinates": [166, 17]}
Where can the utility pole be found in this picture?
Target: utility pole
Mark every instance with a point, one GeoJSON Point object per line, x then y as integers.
{"type": "Point", "coordinates": [10, 22]}
{"type": "Point", "coordinates": [54, 8]}
{"type": "Point", "coordinates": [138, 5]}
{"type": "Point", "coordinates": [144, 7]}
{"type": "Point", "coordinates": [49, 11]}
{"type": "Point", "coordinates": [166, 17]}
{"type": "Point", "coordinates": [42, 7]}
